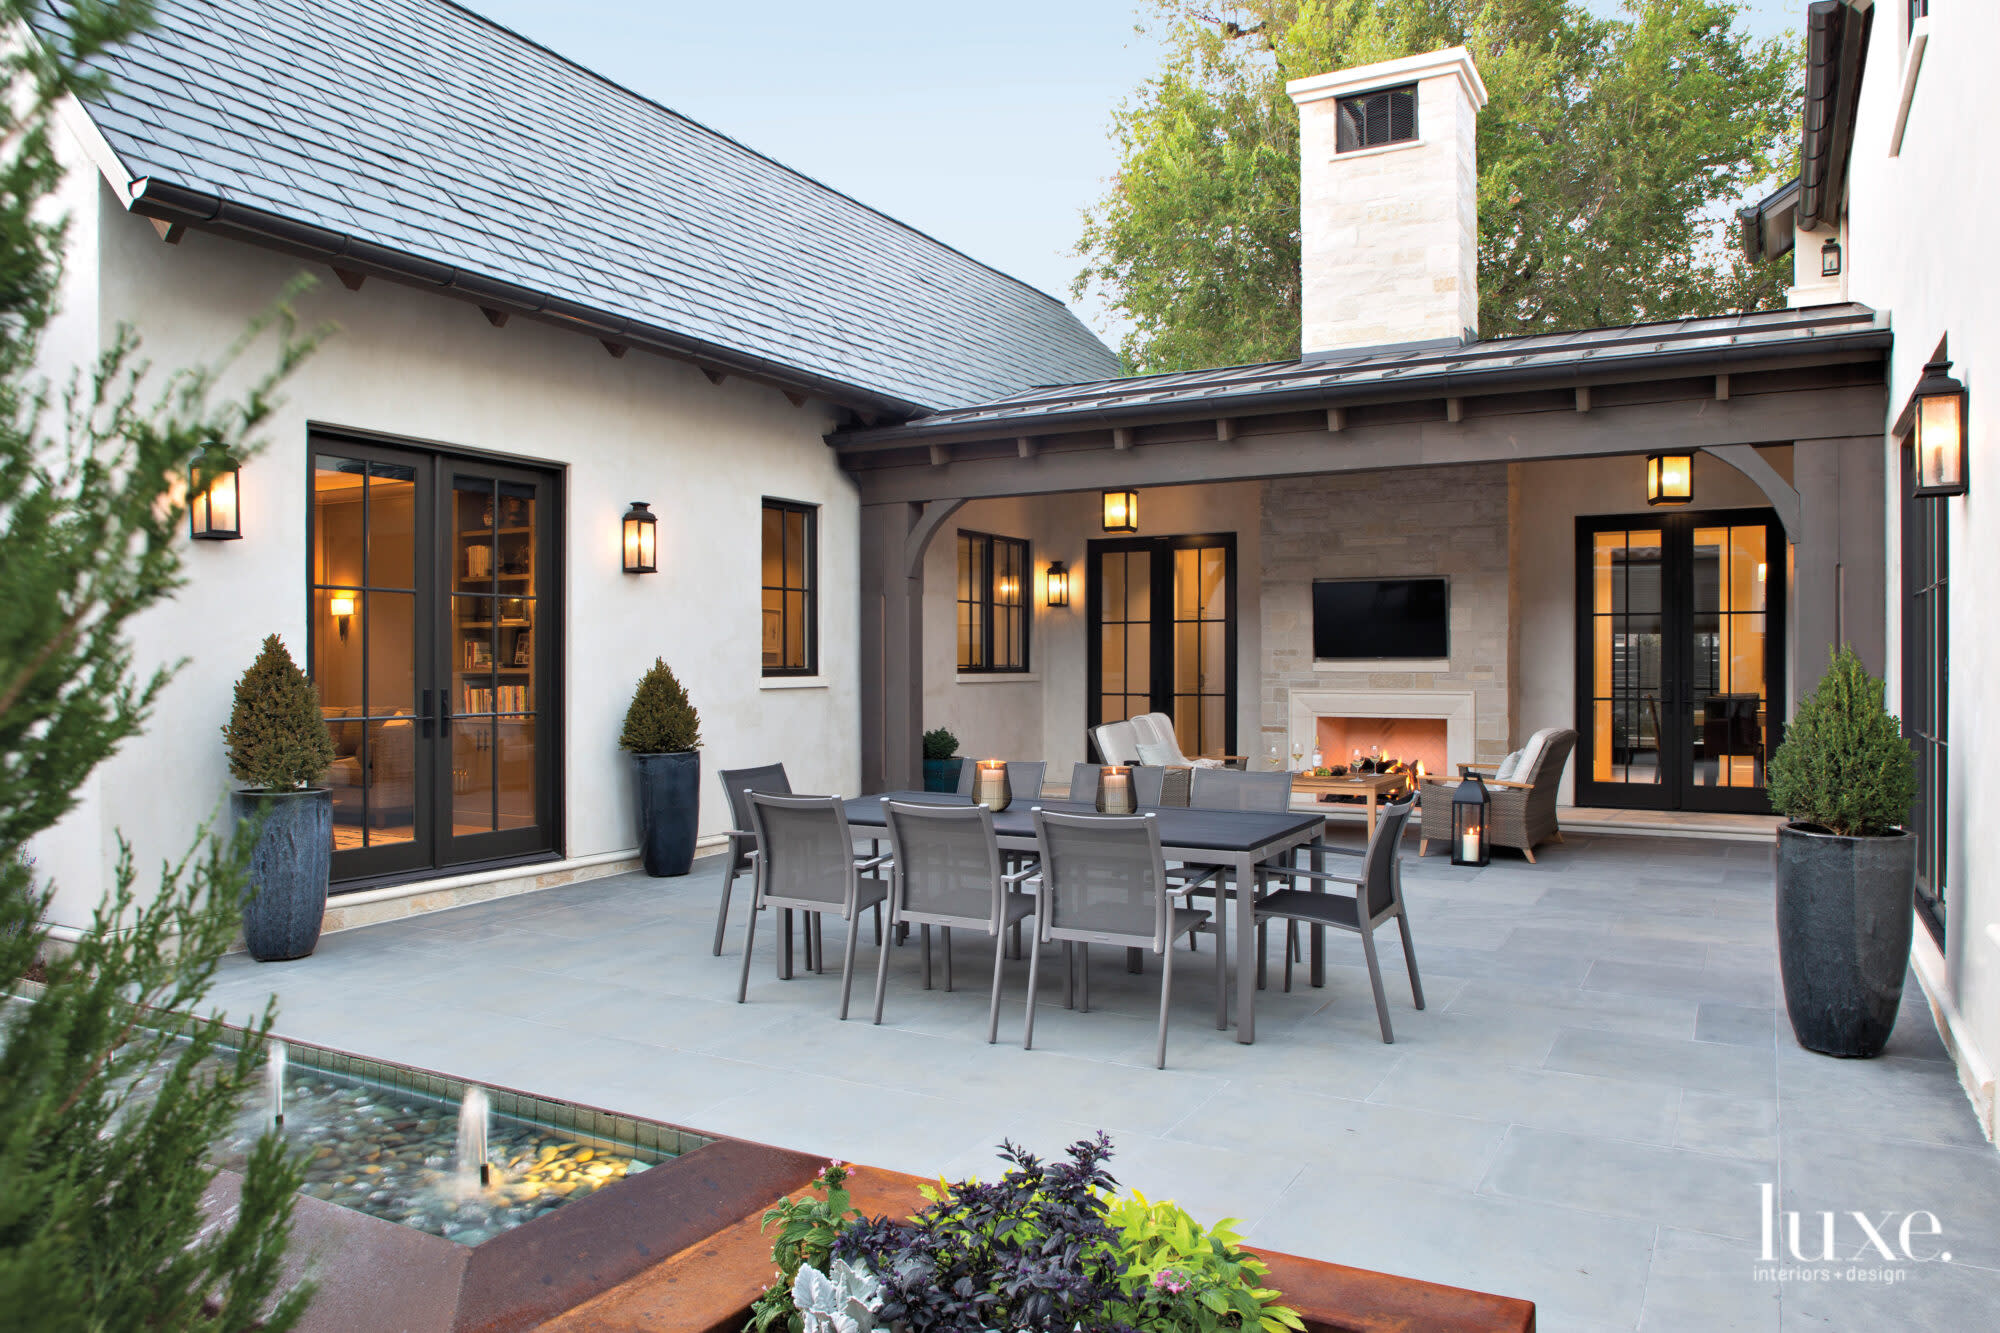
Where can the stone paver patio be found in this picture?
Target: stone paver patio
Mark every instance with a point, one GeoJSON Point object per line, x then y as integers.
{"type": "Point", "coordinates": [1584, 1116]}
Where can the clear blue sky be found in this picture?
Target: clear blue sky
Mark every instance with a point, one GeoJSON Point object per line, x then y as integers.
{"type": "Point", "coordinates": [982, 124]}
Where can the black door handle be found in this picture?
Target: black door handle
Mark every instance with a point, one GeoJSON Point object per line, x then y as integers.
{"type": "Point", "coordinates": [444, 714]}
{"type": "Point", "coordinates": [424, 712]}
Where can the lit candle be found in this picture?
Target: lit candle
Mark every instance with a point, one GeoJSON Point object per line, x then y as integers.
{"type": "Point", "coordinates": [1469, 844]}
{"type": "Point", "coordinates": [990, 787]}
{"type": "Point", "coordinates": [1114, 791]}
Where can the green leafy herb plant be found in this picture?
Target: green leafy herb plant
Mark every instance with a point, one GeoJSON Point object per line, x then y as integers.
{"type": "Point", "coordinates": [807, 1227]}
{"type": "Point", "coordinates": [1186, 1278]}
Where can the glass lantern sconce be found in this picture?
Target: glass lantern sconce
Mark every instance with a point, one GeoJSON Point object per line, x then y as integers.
{"type": "Point", "coordinates": [1669, 479]}
{"type": "Point", "coordinates": [1829, 259]}
{"type": "Point", "coordinates": [641, 529]}
{"type": "Point", "coordinates": [341, 607]}
{"type": "Point", "coordinates": [215, 497]}
{"type": "Point", "coordinates": [1121, 511]}
{"type": "Point", "coordinates": [1939, 432]}
{"type": "Point", "coordinates": [1058, 583]}
{"type": "Point", "coordinates": [1469, 843]}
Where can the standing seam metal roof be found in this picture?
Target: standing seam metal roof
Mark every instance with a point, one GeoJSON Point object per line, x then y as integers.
{"type": "Point", "coordinates": [420, 127]}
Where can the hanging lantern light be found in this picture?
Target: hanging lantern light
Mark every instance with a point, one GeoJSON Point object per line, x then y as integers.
{"type": "Point", "coordinates": [1469, 802]}
{"type": "Point", "coordinates": [1669, 479]}
{"type": "Point", "coordinates": [640, 529]}
{"type": "Point", "coordinates": [215, 509]}
{"type": "Point", "coordinates": [1121, 511]}
{"type": "Point", "coordinates": [1939, 431]}
{"type": "Point", "coordinates": [1058, 583]}
{"type": "Point", "coordinates": [1829, 259]}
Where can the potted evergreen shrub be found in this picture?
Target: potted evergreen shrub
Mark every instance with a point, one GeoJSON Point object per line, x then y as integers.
{"type": "Point", "coordinates": [663, 732]}
{"type": "Point", "coordinates": [1846, 867]}
{"type": "Point", "coordinates": [280, 751]}
{"type": "Point", "coordinates": [940, 761]}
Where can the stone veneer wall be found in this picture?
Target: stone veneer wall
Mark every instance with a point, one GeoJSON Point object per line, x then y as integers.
{"type": "Point", "coordinates": [1408, 522]}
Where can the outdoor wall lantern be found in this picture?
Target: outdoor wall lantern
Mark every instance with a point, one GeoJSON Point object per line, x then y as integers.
{"type": "Point", "coordinates": [640, 529]}
{"type": "Point", "coordinates": [1939, 434]}
{"type": "Point", "coordinates": [215, 510]}
{"type": "Point", "coordinates": [1058, 583]}
{"type": "Point", "coordinates": [341, 606]}
{"type": "Point", "coordinates": [1469, 845]}
{"type": "Point", "coordinates": [1121, 511]}
{"type": "Point", "coordinates": [1669, 479]}
{"type": "Point", "coordinates": [1829, 259]}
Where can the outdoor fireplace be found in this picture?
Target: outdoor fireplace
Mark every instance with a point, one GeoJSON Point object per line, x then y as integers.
{"type": "Point", "coordinates": [1410, 739]}
{"type": "Point", "coordinates": [1435, 726]}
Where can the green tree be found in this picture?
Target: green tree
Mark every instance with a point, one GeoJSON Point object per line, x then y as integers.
{"type": "Point", "coordinates": [1844, 764]}
{"type": "Point", "coordinates": [660, 719]}
{"type": "Point", "coordinates": [101, 1224]}
{"type": "Point", "coordinates": [276, 736]}
{"type": "Point", "coordinates": [1606, 151]}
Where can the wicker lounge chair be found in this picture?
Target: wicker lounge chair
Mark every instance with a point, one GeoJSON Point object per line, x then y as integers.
{"type": "Point", "coordinates": [1522, 811]}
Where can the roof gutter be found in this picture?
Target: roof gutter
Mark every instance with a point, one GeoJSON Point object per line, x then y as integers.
{"type": "Point", "coordinates": [155, 198]}
{"type": "Point", "coordinates": [1769, 227]}
{"type": "Point", "coordinates": [1836, 49]}
{"type": "Point", "coordinates": [1445, 384]}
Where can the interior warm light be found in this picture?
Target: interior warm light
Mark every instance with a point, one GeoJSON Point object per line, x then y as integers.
{"type": "Point", "coordinates": [340, 606]}
{"type": "Point", "coordinates": [1669, 479]}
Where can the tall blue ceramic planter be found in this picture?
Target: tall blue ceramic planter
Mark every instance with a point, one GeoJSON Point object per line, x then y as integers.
{"type": "Point", "coordinates": [1845, 908]}
{"type": "Point", "coordinates": [942, 774]}
{"type": "Point", "coordinates": [289, 870]}
{"type": "Point", "coordinates": [669, 803]}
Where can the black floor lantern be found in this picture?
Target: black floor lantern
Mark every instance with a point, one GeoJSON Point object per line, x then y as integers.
{"type": "Point", "coordinates": [1469, 843]}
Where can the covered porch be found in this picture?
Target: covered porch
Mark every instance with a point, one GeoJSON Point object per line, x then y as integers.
{"type": "Point", "coordinates": [1510, 473]}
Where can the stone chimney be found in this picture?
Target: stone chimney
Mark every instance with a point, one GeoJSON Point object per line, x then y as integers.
{"type": "Point", "coordinates": [1389, 203]}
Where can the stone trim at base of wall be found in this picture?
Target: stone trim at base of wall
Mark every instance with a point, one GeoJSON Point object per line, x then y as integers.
{"type": "Point", "coordinates": [1975, 1075]}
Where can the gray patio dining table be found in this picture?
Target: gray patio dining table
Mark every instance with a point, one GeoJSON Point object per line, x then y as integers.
{"type": "Point", "coordinates": [1235, 840]}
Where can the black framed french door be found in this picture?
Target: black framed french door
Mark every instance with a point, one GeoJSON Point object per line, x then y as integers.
{"type": "Point", "coordinates": [434, 591]}
{"type": "Point", "coordinates": [1162, 635]}
{"type": "Point", "coordinates": [1680, 658]}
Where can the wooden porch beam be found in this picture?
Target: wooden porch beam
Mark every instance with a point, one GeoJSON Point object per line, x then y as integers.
{"type": "Point", "coordinates": [797, 399]}
{"type": "Point", "coordinates": [1225, 429]}
{"type": "Point", "coordinates": [1336, 419]}
{"type": "Point", "coordinates": [939, 455]}
{"type": "Point", "coordinates": [170, 232]}
{"type": "Point", "coordinates": [1454, 409]}
{"type": "Point", "coordinates": [1722, 388]}
{"type": "Point", "coordinates": [497, 318]}
{"type": "Point", "coordinates": [350, 278]}
{"type": "Point", "coordinates": [1583, 397]}
{"type": "Point", "coordinates": [1121, 437]}
{"type": "Point", "coordinates": [1025, 445]}
{"type": "Point", "coordinates": [715, 377]}
{"type": "Point", "coordinates": [1680, 424]}
{"type": "Point", "coordinates": [1745, 459]}
{"type": "Point", "coordinates": [617, 350]}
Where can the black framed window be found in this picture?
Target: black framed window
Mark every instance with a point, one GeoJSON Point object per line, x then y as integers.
{"type": "Point", "coordinates": [1367, 120]}
{"type": "Point", "coordinates": [791, 581]}
{"type": "Point", "coordinates": [993, 602]}
{"type": "Point", "coordinates": [1926, 686]}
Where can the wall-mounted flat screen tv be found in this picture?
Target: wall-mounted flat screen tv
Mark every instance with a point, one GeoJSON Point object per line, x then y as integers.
{"type": "Point", "coordinates": [1359, 620]}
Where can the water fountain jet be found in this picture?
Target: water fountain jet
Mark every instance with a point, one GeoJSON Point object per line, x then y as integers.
{"type": "Point", "coordinates": [472, 1165]}
{"type": "Point", "coordinates": [274, 1080]}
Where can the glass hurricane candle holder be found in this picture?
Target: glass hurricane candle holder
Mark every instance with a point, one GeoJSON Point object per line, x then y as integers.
{"type": "Point", "coordinates": [990, 787]}
{"type": "Point", "coordinates": [1114, 791]}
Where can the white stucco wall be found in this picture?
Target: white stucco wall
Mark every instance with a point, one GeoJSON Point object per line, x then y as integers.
{"type": "Point", "coordinates": [1549, 498]}
{"type": "Point", "coordinates": [419, 366]}
{"type": "Point", "coordinates": [1921, 247]}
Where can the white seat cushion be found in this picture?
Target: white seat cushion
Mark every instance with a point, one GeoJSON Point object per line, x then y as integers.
{"type": "Point", "coordinates": [1117, 743]}
{"type": "Point", "coordinates": [1160, 756]}
{"type": "Point", "coordinates": [1531, 754]}
{"type": "Point", "coordinates": [1508, 767]}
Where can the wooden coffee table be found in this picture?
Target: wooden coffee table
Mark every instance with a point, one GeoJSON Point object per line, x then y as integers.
{"type": "Point", "coordinates": [1372, 787]}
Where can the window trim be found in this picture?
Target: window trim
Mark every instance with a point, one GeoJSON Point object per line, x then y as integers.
{"type": "Point", "coordinates": [810, 512]}
{"type": "Point", "coordinates": [985, 601]}
{"type": "Point", "coordinates": [1341, 104]}
{"type": "Point", "coordinates": [1926, 689]}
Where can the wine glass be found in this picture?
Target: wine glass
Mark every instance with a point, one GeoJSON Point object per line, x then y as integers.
{"type": "Point", "coordinates": [1298, 755]}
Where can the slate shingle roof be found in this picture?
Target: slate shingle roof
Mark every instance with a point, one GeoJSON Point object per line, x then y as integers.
{"type": "Point", "coordinates": [427, 130]}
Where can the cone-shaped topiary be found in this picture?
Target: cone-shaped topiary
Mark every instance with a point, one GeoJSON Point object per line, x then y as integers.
{"type": "Point", "coordinates": [1844, 764]}
{"type": "Point", "coordinates": [277, 737]}
{"type": "Point", "coordinates": [660, 720]}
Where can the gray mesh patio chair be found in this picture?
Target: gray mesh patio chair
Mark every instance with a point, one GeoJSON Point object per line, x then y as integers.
{"type": "Point", "coordinates": [1104, 881]}
{"type": "Point", "coordinates": [737, 784]}
{"type": "Point", "coordinates": [1024, 778]}
{"type": "Point", "coordinates": [1233, 789]}
{"type": "Point", "coordinates": [806, 863]}
{"type": "Point", "coordinates": [1083, 782]}
{"type": "Point", "coordinates": [947, 873]}
{"type": "Point", "coordinates": [1377, 896]}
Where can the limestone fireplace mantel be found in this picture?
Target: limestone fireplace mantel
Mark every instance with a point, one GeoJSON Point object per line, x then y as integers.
{"type": "Point", "coordinates": [1454, 706]}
